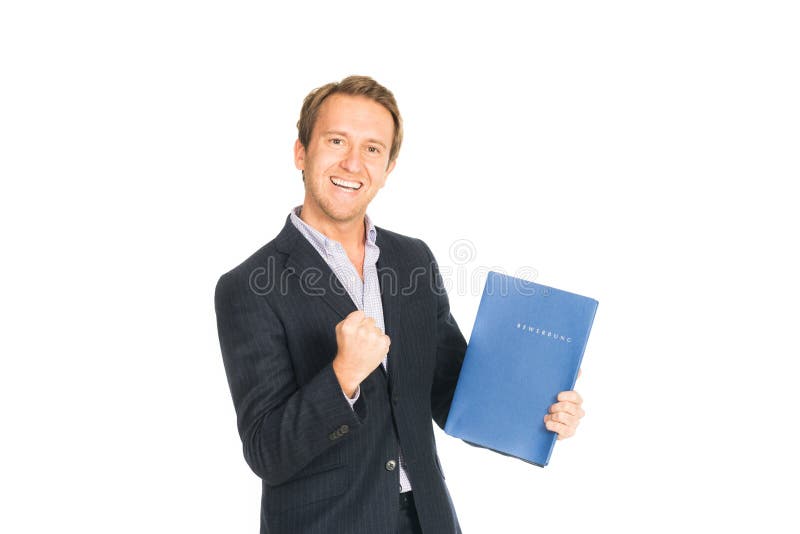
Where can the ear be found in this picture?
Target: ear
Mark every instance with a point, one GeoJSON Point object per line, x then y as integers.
{"type": "Point", "coordinates": [390, 168]}
{"type": "Point", "coordinates": [299, 155]}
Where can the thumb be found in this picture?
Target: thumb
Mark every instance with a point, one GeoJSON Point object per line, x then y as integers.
{"type": "Point", "coordinates": [355, 317]}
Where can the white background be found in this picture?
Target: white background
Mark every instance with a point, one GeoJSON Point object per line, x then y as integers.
{"type": "Point", "coordinates": [641, 153]}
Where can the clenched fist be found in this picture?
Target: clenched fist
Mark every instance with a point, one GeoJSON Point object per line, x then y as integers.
{"type": "Point", "coordinates": [361, 349]}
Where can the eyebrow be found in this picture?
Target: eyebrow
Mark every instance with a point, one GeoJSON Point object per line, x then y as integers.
{"type": "Point", "coordinates": [344, 134]}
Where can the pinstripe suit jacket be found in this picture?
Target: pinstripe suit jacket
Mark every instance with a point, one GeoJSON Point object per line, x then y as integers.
{"type": "Point", "coordinates": [323, 465]}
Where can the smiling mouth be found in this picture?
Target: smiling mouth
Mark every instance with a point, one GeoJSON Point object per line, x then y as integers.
{"type": "Point", "coordinates": [346, 184]}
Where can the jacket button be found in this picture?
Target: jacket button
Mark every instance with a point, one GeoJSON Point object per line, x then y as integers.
{"type": "Point", "coordinates": [344, 429]}
{"type": "Point", "coordinates": [390, 465]}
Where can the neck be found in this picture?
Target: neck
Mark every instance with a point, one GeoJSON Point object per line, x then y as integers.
{"type": "Point", "coordinates": [350, 233]}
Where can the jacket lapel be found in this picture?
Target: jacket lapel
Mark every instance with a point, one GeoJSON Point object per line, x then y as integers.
{"type": "Point", "coordinates": [316, 277]}
{"type": "Point", "coordinates": [389, 279]}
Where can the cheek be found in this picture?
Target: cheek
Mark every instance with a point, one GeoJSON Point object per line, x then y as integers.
{"type": "Point", "coordinates": [378, 181]}
{"type": "Point", "coordinates": [377, 169]}
{"type": "Point", "coordinates": [316, 166]}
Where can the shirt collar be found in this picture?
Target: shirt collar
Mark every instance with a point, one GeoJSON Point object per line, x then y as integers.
{"type": "Point", "coordinates": [323, 242]}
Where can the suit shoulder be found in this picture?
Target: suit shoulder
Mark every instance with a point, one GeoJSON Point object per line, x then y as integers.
{"type": "Point", "coordinates": [257, 258]}
{"type": "Point", "coordinates": [270, 256]}
{"type": "Point", "coordinates": [407, 244]}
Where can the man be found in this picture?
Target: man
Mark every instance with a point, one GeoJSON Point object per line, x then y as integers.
{"type": "Point", "coordinates": [339, 345]}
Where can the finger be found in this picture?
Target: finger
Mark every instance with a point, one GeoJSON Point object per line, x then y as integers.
{"type": "Point", "coordinates": [568, 407]}
{"type": "Point", "coordinates": [563, 431]}
{"type": "Point", "coordinates": [579, 372]}
{"type": "Point", "coordinates": [563, 417]}
{"type": "Point", "coordinates": [368, 328]}
{"type": "Point", "coordinates": [367, 321]}
{"type": "Point", "coordinates": [348, 325]}
{"type": "Point", "coordinates": [570, 396]}
{"type": "Point", "coordinates": [355, 317]}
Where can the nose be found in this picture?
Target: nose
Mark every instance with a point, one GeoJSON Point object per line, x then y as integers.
{"type": "Point", "coordinates": [352, 161]}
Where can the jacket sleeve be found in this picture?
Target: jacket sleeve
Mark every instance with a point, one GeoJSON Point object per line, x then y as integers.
{"type": "Point", "coordinates": [450, 349]}
{"type": "Point", "coordinates": [283, 426]}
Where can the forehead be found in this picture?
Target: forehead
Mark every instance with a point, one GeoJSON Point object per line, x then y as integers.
{"type": "Point", "coordinates": [354, 115]}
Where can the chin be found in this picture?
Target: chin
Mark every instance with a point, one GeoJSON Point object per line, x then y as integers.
{"type": "Point", "coordinates": [341, 215]}
{"type": "Point", "coordinates": [346, 216]}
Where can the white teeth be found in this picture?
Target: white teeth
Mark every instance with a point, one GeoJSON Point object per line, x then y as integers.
{"type": "Point", "coordinates": [345, 183]}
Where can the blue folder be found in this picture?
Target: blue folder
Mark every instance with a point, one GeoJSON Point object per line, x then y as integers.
{"type": "Point", "coordinates": [526, 347]}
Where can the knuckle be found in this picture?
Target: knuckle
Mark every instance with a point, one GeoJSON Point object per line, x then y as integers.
{"type": "Point", "coordinates": [571, 421]}
{"type": "Point", "coordinates": [363, 328]}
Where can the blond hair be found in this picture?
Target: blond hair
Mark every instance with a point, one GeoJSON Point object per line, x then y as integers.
{"type": "Point", "coordinates": [354, 86]}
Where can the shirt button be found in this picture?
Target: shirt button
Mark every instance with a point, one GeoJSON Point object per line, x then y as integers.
{"type": "Point", "coordinates": [390, 465]}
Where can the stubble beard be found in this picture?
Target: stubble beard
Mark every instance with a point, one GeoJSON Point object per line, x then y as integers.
{"type": "Point", "coordinates": [331, 210]}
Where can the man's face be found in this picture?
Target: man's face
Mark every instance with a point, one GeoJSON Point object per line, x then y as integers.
{"type": "Point", "coordinates": [347, 158]}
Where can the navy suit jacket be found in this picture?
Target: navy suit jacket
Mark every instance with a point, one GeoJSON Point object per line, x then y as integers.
{"type": "Point", "coordinates": [325, 467]}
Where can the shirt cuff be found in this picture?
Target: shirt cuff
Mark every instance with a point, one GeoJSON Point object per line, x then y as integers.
{"type": "Point", "coordinates": [355, 397]}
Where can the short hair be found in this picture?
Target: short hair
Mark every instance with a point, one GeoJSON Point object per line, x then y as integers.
{"type": "Point", "coordinates": [354, 86]}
